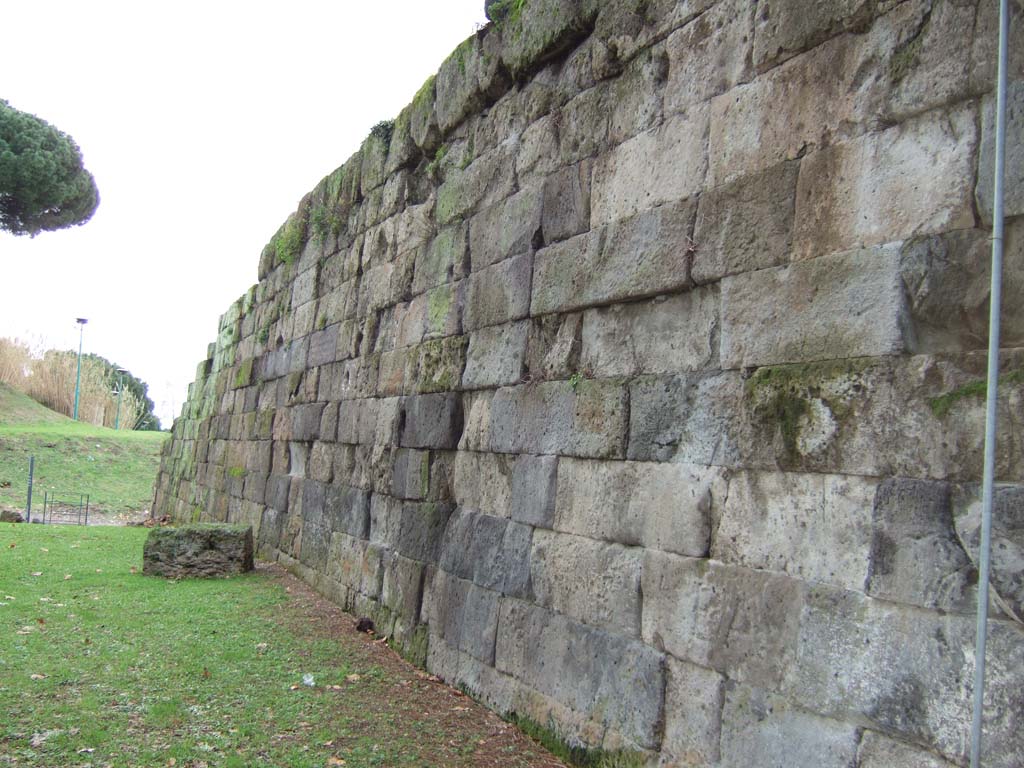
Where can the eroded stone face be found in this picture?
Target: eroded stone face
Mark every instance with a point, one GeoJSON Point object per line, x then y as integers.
{"type": "Point", "coordinates": [636, 386]}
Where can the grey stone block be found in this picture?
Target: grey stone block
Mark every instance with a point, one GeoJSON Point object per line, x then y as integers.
{"type": "Point", "coordinates": [643, 255]}
{"type": "Point", "coordinates": [745, 225]}
{"type": "Point", "coordinates": [198, 551]}
{"type": "Point", "coordinates": [1013, 179]}
{"type": "Point", "coordinates": [667, 335]}
{"type": "Point", "coordinates": [740, 622]}
{"type": "Point", "coordinates": [496, 356]}
{"type": "Point", "coordinates": [348, 510]}
{"type": "Point", "coordinates": [444, 260]}
{"type": "Point", "coordinates": [788, 27]}
{"type": "Point", "coordinates": [908, 672]}
{"type": "Point", "coordinates": [842, 306]}
{"type": "Point", "coordinates": [534, 485]}
{"type": "Point", "coordinates": [814, 527]}
{"type": "Point", "coordinates": [691, 418]}
{"type": "Point", "coordinates": [694, 697]}
{"type": "Point", "coordinates": [591, 581]}
{"type": "Point", "coordinates": [499, 294]}
{"type": "Point", "coordinates": [306, 421]}
{"type": "Point", "coordinates": [608, 678]}
{"type": "Point", "coordinates": [915, 555]}
{"type": "Point", "coordinates": [1006, 574]}
{"type": "Point", "coordinates": [465, 615]}
{"type": "Point", "coordinates": [553, 417]}
{"type": "Point", "coordinates": [323, 346]}
{"type": "Point", "coordinates": [410, 474]}
{"type": "Point", "coordinates": [422, 528]}
{"type": "Point", "coordinates": [880, 751]}
{"type": "Point", "coordinates": [507, 229]}
{"type": "Point", "coordinates": [759, 728]}
{"type": "Point", "coordinates": [662, 506]}
{"type": "Point", "coordinates": [553, 346]}
{"type": "Point", "coordinates": [491, 552]}
{"type": "Point", "coordinates": [566, 210]}
{"type": "Point", "coordinates": [431, 421]}
{"type": "Point", "coordinates": [482, 482]}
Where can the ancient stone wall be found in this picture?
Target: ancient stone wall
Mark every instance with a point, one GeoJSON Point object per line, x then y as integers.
{"type": "Point", "coordinates": [631, 380]}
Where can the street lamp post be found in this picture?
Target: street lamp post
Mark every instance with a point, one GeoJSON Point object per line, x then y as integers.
{"type": "Point", "coordinates": [78, 376]}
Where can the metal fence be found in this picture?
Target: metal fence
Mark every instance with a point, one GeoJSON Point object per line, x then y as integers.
{"type": "Point", "coordinates": [65, 512]}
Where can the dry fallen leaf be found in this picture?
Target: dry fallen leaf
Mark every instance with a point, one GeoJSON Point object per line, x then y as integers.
{"type": "Point", "coordinates": [133, 569]}
{"type": "Point", "coordinates": [335, 761]}
{"type": "Point", "coordinates": [37, 677]}
{"type": "Point", "coordinates": [8, 597]}
{"type": "Point", "coordinates": [206, 672]}
{"type": "Point", "coordinates": [13, 545]}
{"type": "Point", "coordinates": [43, 549]}
{"type": "Point", "coordinates": [37, 573]}
{"type": "Point", "coordinates": [67, 576]}
{"type": "Point", "coordinates": [172, 762]}
{"type": "Point", "coordinates": [352, 678]}
{"type": "Point", "coordinates": [41, 621]}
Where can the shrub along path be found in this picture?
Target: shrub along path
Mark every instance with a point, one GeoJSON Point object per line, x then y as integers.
{"type": "Point", "coordinates": [102, 666]}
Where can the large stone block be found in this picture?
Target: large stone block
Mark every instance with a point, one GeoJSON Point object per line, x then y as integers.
{"type": "Point", "coordinates": [667, 335]}
{"type": "Point", "coordinates": [740, 622]}
{"type": "Point", "coordinates": [534, 487]}
{"type": "Point", "coordinates": [633, 177]}
{"type": "Point", "coordinates": [553, 346]}
{"type": "Point", "coordinates": [591, 581]}
{"type": "Point", "coordinates": [566, 210]}
{"type": "Point", "coordinates": [642, 256]}
{"type": "Point", "coordinates": [499, 294]}
{"type": "Point", "coordinates": [1006, 574]}
{"type": "Point", "coordinates": [710, 55]}
{"type": "Point", "coordinates": [549, 27]}
{"type": "Point", "coordinates": [1013, 179]}
{"type": "Point", "coordinates": [690, 418]}
{"type": "Point", "coordinates": [488, 179]}
{"type": "Point", "coordinates": [614, 680]}
{"type": "Point", "coordinates": [786, 28]}
{"type": "Point", "coordinates": [846, 305]}
{"type": "Point", "coordinates": [880, 174]}
{"type": "Point", "coordinates": [507, 229]}
{"type": "Point", "coordinates": [201, 550]}
{"type": "Point", "coordinates": [879, 751]}
{"type": "Point", "coordinates": [496, 356]}
{"type": "Point", "coordinates": [492, 552]}
{"type": "Point", "coordinates": [465, 615]}
{"type": "Point", "coordinates": [693, 715]}
{"type": "Point", "coordinates": [431, 421]}
{"type": "Point", "coordinates": [482, 482]}
{"type": "Point", "coordinates": [660, 506]}
{"type": "Point", "coordinates": [556, 417]}
{"type": "Point", "coordinates": [909, 673]}
{"type": "Point", "coordinates": [916, 557]}
{"type": "Point", "coordinates": [444, 260]}
{"type": "Point", "coordinates": [759, 728]}
{"type": "Point", "coordinates": [811, 526]}
{"type": "Point", "coordinates": [745, 225]}
{"type": "Point", "coordinates": [348, 510]}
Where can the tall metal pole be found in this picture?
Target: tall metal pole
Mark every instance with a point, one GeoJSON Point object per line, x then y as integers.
{"type": "Point", "coordinates": [988, 481]}
{"type": "Point", "coordinates": [78, 376]}
{"type": "Point", "coordinates": [120, 389]}
{"type": "Point", "coordinates": [31, 472]}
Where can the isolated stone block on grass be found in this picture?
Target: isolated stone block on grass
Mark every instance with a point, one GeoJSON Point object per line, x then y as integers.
{"type": "Point", "coordinates": [202, 551]}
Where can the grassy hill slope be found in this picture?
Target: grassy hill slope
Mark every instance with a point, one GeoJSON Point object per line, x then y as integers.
{"type": "Point", "coordinates": [116, 469]}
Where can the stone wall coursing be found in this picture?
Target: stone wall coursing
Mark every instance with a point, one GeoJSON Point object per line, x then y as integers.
{"type": "Point", "coordinates": [630, 380]}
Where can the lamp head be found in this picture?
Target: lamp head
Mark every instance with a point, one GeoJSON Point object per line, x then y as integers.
{"type": "Point", "coordinates": [81, 320]}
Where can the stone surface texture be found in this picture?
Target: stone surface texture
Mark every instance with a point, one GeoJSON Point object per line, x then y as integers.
{"type": "Point", "coordinates": [204, 550]}
{"type": "Point", "coordinates": [637, 385]}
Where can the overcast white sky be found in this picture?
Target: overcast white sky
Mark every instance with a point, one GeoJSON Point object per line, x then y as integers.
{"type": "Point", "coordinates": [204, 124]}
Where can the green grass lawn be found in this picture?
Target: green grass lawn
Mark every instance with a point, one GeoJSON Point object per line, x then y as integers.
{"type": "Point", "coordinates": [116, 469]}
{"type": "Point", "coordinates": [102, 666]}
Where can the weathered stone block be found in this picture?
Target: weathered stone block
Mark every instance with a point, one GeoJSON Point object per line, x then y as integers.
{"type": "Point", "coordinates": [422, 530]}
{"type": "Point", "coordinates": [693, 714]}
{"type": "Point", "coordinates": [348, 510]}
{"type": "Point", "coordinates": [431, 421]}
{"type": "Point", "coordinates": [534, 486]}
{"type": "Point", "coordinates": [908, 672]}
{"type": "Point", "coordinates": [878, 751]}
{"type": "Point", "coordinates": [847, 305]}
{"type": "Point", "coordinates": [915, 555]}
{"type": "Point", "coordinates": [507, 229]}
{"type": "Point", "coordinates": [710, 55]}
{"type": "Point", "coordinates": [553, 346]}
{"type": "Point", "coordinates": [884, 168]}
{"type": "Point", "coordinates": [690, 418]}
{"type": "Point", "coordinates": [499, 294]}
{"type": "Point", "coordinates": [591, 581]}
{"type": "Point", "coordinates": [410, 475]}
{"type": "Point", "coordinates": [632, 178]}
{"type": "Point", "coordinates": [667, 335]}
{"type": "Point", "coordinates": [786, 28]}
{"type": "Point", "coordinates": [549, 27]}
{"type": "Point", "coordinates": [614, 680]}
{"type": "Point", "coordinates": [488, 179]}
{"type": "Point", "coordinates": [496, 356]}
{"type": "Point", "coordinates": [489, 551]}
{"type": "Point", "coordinates": [1013, 180]}
{"type": "Point", "coordinates": [444, 260]}
{"type": "Point", "coordinates": [566, 210]}
{"type": "Point", "coordinates": [812, 526]}
{"type": "Point", "coordinates": [761, 728]}
{"type": "Point", "coordinates": [662, 506]}
{"type": "Point", "coordinates": [1006, 574]}
{"type": "Point", "coordinates": [745, 225]}
{"type": "Point", "coordinates": [306, 421]}
{"type": "Point", "coordinates": [740, 622]}
{"type": "Point", "coordinates": [465, 615]}
{"type": "Point", "coordinates": [641, 256]}
{"type": "Point", "coordinates": [200, 550]}
{"type": "Point", "coordinates": [482, 482]}
{"type": "Point", "coordinates": [555, 417]}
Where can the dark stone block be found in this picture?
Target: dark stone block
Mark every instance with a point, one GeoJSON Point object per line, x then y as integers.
{"type": "Point", "coordinates": [198, 551]}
